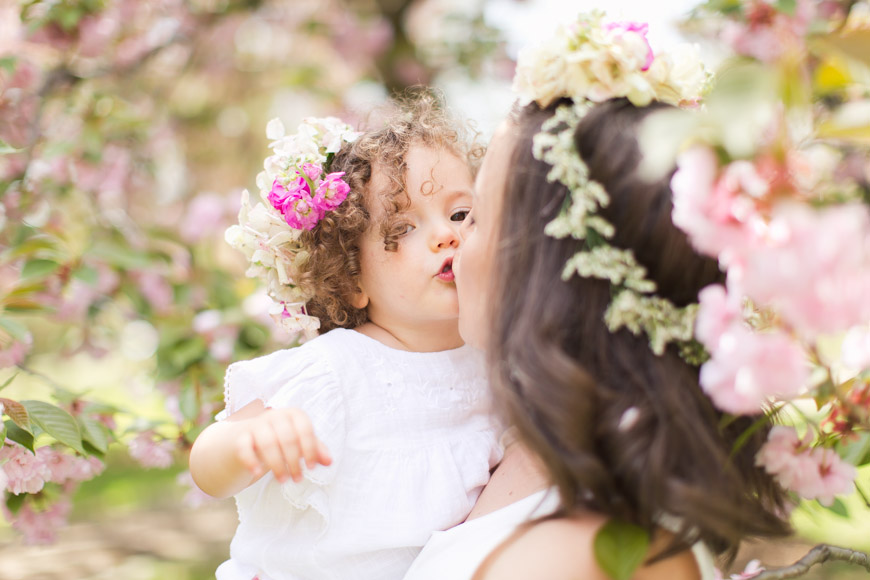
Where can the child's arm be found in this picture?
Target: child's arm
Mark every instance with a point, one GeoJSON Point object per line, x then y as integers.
{"type": "Point", "coordinates": [230, 455]}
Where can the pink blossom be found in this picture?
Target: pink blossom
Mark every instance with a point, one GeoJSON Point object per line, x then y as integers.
{"type": "Point", "coordinates": [156, 290]}
{"type": "Point", "coordinates": [813, 267]}
{"type": "Point", "coordinates": [65, 467]}
{"type": "Point", "coordinates": [204, 215]}
{"type": "Point", "coordinates": [748, 368]}
{"type": "Point", "coordinates": [636, 30]}
{"type": "Point", "coordinates": [312, 170]}
{"type": "Point", "coordinates": [717, 311]}
{"type": "Point", "coordinates": [150, 452]}
{"type": "Point", "coordinates": [26, 471]}
{"type": "Point", "coordinates": [95, 31]}
{"type": "Point", "coordinates": [855, 352]}
{"type": "Point", "coordinates": [14, 352]}
{"type": "Point", "coordinates": [332, 191]}
{"type": "Point", "coordinates": [301, 212]}
{"type": "Point", "coordinates": [708, 209]}
{"type": "Point", "coordinates": [40, 526]}
{"type": "Point", "coordinates": [768, 33]}
{"type": "Point", "coordinates": [817, 473]}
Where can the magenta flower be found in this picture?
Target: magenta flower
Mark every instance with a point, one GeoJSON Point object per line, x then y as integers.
{"type": "Point", "coordinates": [332, 191]}
{"type": "Point", "coordinates": [301, 212]}
{"type": "Point", "coordinates": [312, 170]}
{"type": "Point", "coordinates": [638, 29]}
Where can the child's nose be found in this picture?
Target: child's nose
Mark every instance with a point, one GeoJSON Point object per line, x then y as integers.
{"type": "Point", "coordinates": [446, 236]}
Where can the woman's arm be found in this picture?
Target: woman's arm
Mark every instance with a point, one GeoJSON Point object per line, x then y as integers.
{"type": "Point", "coordinates": [230, 455]}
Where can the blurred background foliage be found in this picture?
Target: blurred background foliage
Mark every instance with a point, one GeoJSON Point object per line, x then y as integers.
{"type": "Point", "coordinates": [127, 131]}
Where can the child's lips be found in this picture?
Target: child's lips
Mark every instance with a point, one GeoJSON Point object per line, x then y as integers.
{"type": "Point", "coordinates": [446, 271]}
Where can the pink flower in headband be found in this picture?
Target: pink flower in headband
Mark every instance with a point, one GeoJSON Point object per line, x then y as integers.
{"type": "Point", "coordinates": [332, 191]}
{"type": "Point", "coordinates": [638, 30]}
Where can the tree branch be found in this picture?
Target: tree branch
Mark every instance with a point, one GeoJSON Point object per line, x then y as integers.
{"type": "Point", "coordinates": [818, 555]}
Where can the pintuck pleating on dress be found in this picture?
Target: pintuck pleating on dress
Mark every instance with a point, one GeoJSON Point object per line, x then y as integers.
{"type": "Point", "coordinates": [412, 440]}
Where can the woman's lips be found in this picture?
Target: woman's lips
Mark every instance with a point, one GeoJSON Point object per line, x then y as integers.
{"type": "Point", "coordinates": [446, 273]}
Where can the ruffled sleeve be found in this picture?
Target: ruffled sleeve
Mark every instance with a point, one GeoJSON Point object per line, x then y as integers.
{"type": "Point", "coordinates": [318, 393]}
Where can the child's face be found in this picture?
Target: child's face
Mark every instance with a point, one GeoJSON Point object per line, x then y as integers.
{"type": "Point", "coordinates": [414, 285]}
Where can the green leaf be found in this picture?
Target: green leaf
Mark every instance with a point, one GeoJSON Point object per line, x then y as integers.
{"type": "Point", "coordinates": [95, 434]}
{"type": "Point", "coordinates": [786, 6]}
{"type": "Point", "coordinates": [620, 548]}
{"type": "Point", "coordinates": [7, 63]}
{"type": "Point", "coordinates": [188, 402]}
{"type": "Point", "coordinates": [56, 422]}
{"type": "Point", "coordinates": [88, 275]}
{"type": "Point", "coordinates": [19, 435]}
{"type": "Point", "coordinates": [838, 507]}
{"type": "Point", "coordinates": [120, 256]}
{"type": "Point", "coordinates": [38, 269]}
{"type": "Point", "coordinates": [9, 380]}
{"type": "Point", "coordinates": [856, 452]}
{"type": "Point", "coordinates": [14, 502]}
{"type": "Point", "coordinates": [7, 149]}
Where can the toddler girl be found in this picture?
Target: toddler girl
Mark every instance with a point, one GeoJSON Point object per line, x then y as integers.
{"type": "Point", "coordinates": [345, 453]}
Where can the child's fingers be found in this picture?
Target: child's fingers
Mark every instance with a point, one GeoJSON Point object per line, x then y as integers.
{"type": "Point", "coordinates": [245, 451]}
{"type": "Point", "coordinates": [269, 447]}
{"type": "Point", "coordinates": [307, 440]}
{"type": "Point", "coordinates": [288, 443]}
{"type": "Point", "coordinates": [323, 455]}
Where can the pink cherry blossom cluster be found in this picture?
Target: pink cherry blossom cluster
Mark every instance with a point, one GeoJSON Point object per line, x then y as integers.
{"type": "Point", "coordinates": [307, 195]}
{"type": "Point", "coordinates": [812, 472]}
{"type": "Point", "coordinates": [766, 32]}
{"type": "Point", "coordinates": [25, 472]}
{"type": "Point", "coordinates": [150, 450]}
{"type": "Point", "coordinates": [795, 274]}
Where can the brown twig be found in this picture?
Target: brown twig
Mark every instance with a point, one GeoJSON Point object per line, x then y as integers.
{"type": "Point", "coordinates": [818, 555]}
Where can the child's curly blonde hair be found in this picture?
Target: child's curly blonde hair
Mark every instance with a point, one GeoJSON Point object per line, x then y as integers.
{"type": "Point", "coordinates": [332, 271]}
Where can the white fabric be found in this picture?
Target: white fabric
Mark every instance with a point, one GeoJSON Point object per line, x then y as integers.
{"type": "Point", "coordinates": [458, 552]}
{"type": "Point", "coordinates": [412, 444]}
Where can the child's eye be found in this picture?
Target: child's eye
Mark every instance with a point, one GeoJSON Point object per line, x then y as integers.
{"type": "Point", "coordinates": [459, 215]}
{"type": "Point", "coordinates": [407, 229]}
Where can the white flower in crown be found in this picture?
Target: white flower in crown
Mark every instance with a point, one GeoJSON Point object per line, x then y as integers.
{"type": "Point", "coordinates": [597, 60]}
{"type": "Point", "coordinates": [296, 192]}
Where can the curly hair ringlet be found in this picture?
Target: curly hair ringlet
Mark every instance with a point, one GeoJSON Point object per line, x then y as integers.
{"type": "Point", "coordinates": [331, 271]}
{"type": "Point", "coordinates": [622, 432]}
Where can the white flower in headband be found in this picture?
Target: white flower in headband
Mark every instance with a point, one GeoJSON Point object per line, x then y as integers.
{"type": "Point", "coordinates": [596, 60]}
{"type": "Point", "coordinates": [297, 191]}
{"type": "Point", "coordinates": [589, 62]}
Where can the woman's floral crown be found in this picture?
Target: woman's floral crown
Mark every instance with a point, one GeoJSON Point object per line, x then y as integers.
{"type": "Point", "coordinates": [297, 190]}
{"type": "Point", "coordinates": [592, 61]}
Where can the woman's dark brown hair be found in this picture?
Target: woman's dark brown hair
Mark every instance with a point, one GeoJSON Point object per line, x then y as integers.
{"type": "Point", "coordinates": [622, 431]}
{"type": "Point", "coordinates": [332, 268]}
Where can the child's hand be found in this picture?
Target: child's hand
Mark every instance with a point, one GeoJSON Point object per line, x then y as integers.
{"type": "Point", "coordinates": [277, 440]}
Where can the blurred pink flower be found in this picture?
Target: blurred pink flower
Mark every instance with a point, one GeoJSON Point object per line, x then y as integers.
{"type": "Point", "coordinates": [65, 467]}
{"type": "Point", "coordinates": [855, 352]}
{"type": "Point", "coordinates": [332, 191]}
{"type": "Point", "coordinates": [13, 352]}
{"type": "Point", "coordinates": [717, 311]}
{"type": "Point", "coordinates": [26, 471]}
{"type": "Point", "coordinates": [95, 32]}
{"type": "Point", "coordinates": [713, 212]}
{"type": "Point", "coordinates": [769, 33]}
{"type": "Point", "coordinates": [156, 290]}
{"type": "Point", "coordinates": [817, 473]}
{"type": "Point", "coordinates": [150, 452]}
{"type": "Point", "coordinates": [40, 527]}
{"type": "Point", "coordinates": [748, 368]}
{"type": "Point", "coordinates": [639, 31]}
{"type": "Point", "coordinates": [814, 267]}
{"type": "Point", "coordinates": [204, 216]}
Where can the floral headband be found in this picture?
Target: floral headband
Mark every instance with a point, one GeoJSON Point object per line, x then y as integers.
{"type": "Point", "coordinates": [592, 61]}
{"type": "Point", "coordinates": [297, 191]}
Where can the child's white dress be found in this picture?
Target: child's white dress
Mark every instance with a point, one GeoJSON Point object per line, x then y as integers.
{"type": "Point", "coordinates": [412, 441]}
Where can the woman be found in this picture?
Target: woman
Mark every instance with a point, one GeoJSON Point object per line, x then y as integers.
{"type": "Point", "coordinates": [619, 431]}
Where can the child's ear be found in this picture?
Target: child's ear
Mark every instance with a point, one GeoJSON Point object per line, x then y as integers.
{"type": "Point", "coordinates": [359, 300]}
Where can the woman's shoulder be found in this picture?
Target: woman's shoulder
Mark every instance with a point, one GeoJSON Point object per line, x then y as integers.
{"type": "Point", "coordinates": [563, 548]}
